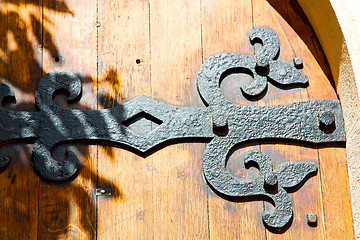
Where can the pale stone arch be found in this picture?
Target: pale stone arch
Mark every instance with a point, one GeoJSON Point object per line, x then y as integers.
{"type": "Point", "coordinates": [337, 26]}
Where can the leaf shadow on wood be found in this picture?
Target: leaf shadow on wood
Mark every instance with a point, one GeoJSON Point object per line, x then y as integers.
{"type": "Point", "coordinates": [30, 206]}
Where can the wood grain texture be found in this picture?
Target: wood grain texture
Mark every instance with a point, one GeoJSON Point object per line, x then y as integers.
{"type": "Point", "coordinates": [20, 68]}
{"type": "Point", "coordinates": [336, 194]}
{"type": "Point", "coordinates": [124, 38]}
{"type": "Point", "coordinates": [179, 191]}
{"type": "Point", "coordinates": [123, 49]}
{"type": "Point", "coordinates": [69, 42]}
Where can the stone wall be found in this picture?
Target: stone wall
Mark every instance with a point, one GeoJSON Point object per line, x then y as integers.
{"type": "Point", "coordinates": [337, 25]}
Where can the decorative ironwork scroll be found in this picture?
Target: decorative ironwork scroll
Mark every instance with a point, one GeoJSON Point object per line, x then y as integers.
{"type": "Point", "coordinates": [222, 122]}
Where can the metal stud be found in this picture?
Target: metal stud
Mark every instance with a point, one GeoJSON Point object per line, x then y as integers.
{"type": "Point", "coordinates": [327, 120]}
{"type": "Point", "coordinates": [298, 62]}
{"type": "Point", "coordinates": [311, 219]}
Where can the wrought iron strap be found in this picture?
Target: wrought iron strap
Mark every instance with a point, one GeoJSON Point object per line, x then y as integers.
{"type": "Point", "coordinates": [54, 125]}
{"type": "Point", "coordinates": [222, 122]}
{"type": "Point", "coordinates": [269, 184]}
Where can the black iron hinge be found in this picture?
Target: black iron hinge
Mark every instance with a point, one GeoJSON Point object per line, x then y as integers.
{"type": "Point", "coordinates": [223, 123]}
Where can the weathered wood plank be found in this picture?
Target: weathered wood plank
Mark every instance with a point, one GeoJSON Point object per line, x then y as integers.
{"type": "Point", "coordinates": [336, 194]}
{"type": "Point", "coordinates": [125, 49]}
{"type": "Point", "coordinates": [124, 38]}
{"type": "Point", "coordinates": [20, 67]}
{"type": "Point", "coordinates": [69, 43]}
{"type": "Point", "coordinates": [225, 28]}
{"type": "Point", "coordinates": [179, 190]}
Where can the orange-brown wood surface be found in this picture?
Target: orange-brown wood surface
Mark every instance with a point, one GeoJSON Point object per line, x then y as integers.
{"type": "Point", "coordinates": [123, 49]}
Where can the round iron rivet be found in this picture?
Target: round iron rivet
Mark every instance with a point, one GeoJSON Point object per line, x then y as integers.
{"type": "Point", "coordinates": [270, 180]}
{"type": "Point", "coordinates": [282, 72]}
{"type": "Point", "coordinates": [219, 122]}
{"type": "Point", "coordinates": [262, 62]}
{"type": "Point", "coordinates": [298, 63]}
{"type": "Point", "coordinates": [311, 219]}
{"type": "Point", "coordinates": [326, 120]}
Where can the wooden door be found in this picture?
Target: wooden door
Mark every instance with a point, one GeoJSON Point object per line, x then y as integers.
{"type": "Point", "coordinates": [123, 49]}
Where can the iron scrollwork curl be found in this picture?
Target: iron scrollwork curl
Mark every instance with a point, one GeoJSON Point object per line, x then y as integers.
{"type": "Point", "coordinates": [223, 123]}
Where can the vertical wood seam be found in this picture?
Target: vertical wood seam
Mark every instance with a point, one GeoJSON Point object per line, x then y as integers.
{"type": "Point", "coordinates": [252, 14]}
{"type": "Point", "coordinates": [202, 61]}
{"type": "Point", "coordinates": [201, 34]}
{"type": "Point", "coordinates": [152, 95]}
{"type": "Point", "coordinates": [42, 38]}
{"type": "Point", "coordinates": [150, 76]}
{"type": "Point", "coordinates": [97, 108]}
{"type": "Point", "coordinates": [42, 72]}
{"type": "Point", "coordinates": [321, 196]}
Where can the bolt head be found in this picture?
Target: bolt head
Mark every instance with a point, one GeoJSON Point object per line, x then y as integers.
{"type": "Point", "coordinates": [298, 62]}
{"type": "Point", "coordinates": [219, 122]}
{"type": "Point", "coordinates": [311, 219]}
{"type": "Point", "coordinates": [327, 120]}
{"type": "Point", "coordinates": [270, 180]}
{"type": "Point", "coordinates": [282, 72]}
{"type": "Point", "coordinates": [262, 62]}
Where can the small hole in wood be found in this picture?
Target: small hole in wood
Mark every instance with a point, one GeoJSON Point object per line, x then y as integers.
{"type": "Point", "coordinates": [138, 61]}
{"type": "Point", "coordinates": [57, 59]}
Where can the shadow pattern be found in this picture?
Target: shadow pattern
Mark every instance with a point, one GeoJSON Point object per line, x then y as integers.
{"type": "Point", "coordinates": [59, 126]}
{"type": "Point", "coordinates": [22, 36]}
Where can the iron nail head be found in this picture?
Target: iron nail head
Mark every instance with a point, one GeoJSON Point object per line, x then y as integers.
{"type": "Point", "coordinates": [311, 219]}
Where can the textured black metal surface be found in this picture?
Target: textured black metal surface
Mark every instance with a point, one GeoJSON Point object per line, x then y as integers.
{"type": "Point", "coordinates": [262, 66]}
{"type": "Point", "coordinates": [224, 123]}
{"type": "Point", "coordinates": [58, 124]}
{"type": "Point", "coordinates": [269, 184]}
